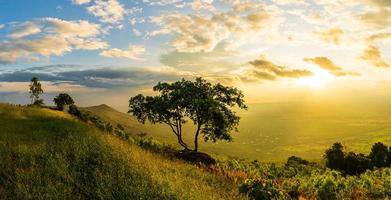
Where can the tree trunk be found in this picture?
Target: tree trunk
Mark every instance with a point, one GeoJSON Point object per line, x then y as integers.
{"type": "Point", "coordinates": [196, 137]}
{"type": "Point", "coordinates": [182, 143]}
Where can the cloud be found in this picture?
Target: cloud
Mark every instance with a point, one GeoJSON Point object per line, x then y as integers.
{"type": "Point", "coordinates": [133, 52]}
{"type": "Point", "coordinates": [109, 11]}
{"type": "Point", "coordinates": [262, 69]}
{"type": "Point", "coordinates": [217, 60]}
{"type": "Point", "coordinates": [96, 77]}
{"type": "Point", "coordinates": [379, 18]}
{"type": "Point", "coordinates": [25, 29]}
{"type": "Point", "coordinates": [379, 36]}
{"type": "Point", "coordinates": [48, 87]}
{"type": "Point", "coordinates": [380, 15]}
{"type": "Point", "coordinates": [199, 5]}
{"type": "Point", "coordinates": [333, 35]}
{"type": "Point", "coordinates": [49, 36]}
{"type": "Point", "coordinates": [200, 33]}
{"type": "Point", "coordinates": [372, 54]}
{"type": "Point", "coordinates": [163, 2]}
{"type": "Point", "coordinates": [326, 64]}
{"type": "Point", "coordinates": [80, 2]}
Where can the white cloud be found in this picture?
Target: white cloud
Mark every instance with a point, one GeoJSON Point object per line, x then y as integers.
{"type": "Point", "coordinates": [136, 32]}
{"type": "Point", "coordinates": [80, 2]}
{"type": "Point", "coordinates": [199, 33]}
{"type": "Point", "coordinates": [133, 52]}
{"type": "Point", "coordinates": [25, 29]}
{"type": "Point", "coordinates": [199, 5]}
{"type": "Point", "coordinates": [49, 36]}
{"type": "Point", "coordinates": [109, 11]}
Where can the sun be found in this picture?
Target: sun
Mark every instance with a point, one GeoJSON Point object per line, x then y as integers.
{"type": "Point", "coordinates": [319, 80]}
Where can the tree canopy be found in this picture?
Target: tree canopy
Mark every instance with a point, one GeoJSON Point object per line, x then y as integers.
{"type": "Point", "coordinates": [208, 106]}
{"type": "Point", "coordinates": [62, 100]}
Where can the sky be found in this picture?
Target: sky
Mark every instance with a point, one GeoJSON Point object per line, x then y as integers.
{"type": "Point", "coordinates": [104, 51]}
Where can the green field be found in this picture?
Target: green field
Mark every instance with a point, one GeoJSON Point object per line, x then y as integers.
{"type": "Point", "coordinates": [46, 154]}
{"type": "Point", "coordinates": [275, 131]}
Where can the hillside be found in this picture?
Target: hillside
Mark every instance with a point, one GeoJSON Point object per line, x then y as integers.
{"type": "Point", "coordinates": [46, 154]}
{"type": "Point", "coordinates": [115, 117]}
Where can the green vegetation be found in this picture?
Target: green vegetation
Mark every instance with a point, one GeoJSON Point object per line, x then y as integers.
{"type": "Point", "coordinates": [47, 154]}
{"type": "Point", "coordinates": [62, 100]}
{"type": "Point", "coordinates": [352, 163]}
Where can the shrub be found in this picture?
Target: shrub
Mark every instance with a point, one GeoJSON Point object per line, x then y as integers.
{"type": "Point", "coordinates": [258, 189]}
{"type": "Point", "coordinates": [356, 163]}
{"type": "Point", "coordinates": [294, 161]}
{"type": "Point", "coordinates": [73, 110]}
{"type": "Point", "coordinates": [327, 190]}
{"type": "Point", "coordinates": [378, 155]}
{"type": "Point", "coordinates": [335, 157]}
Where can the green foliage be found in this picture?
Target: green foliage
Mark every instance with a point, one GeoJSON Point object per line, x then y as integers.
{"type": "Point", "coordinates": [378, 155]}
{"type": "Point", "coordinates": [73, 110]}
{"type": "Point", "coordinates": [335, 157]}
{"type": "Point", "coordinates": [352, 163]}
{"type": "Point", "coordinates": [356, 163]}
{"type": "Point", "coordinates": [36, 91]}
{"type": "Point", "coordinates": [257, 189]}
{"type": "Point", "coordinates": [62, 100]}
{"type": "Point", "coordinates": [208, 106]}
{"type": "Point", "coordinates": [295, 161]}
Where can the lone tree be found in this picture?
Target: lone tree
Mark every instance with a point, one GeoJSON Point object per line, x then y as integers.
{"type": "Point", "coordinates": [35, 91]}
{"type": "Point", "coordinates": [208, 106]}
{"type": "Point", "coordinates": [62, 100]}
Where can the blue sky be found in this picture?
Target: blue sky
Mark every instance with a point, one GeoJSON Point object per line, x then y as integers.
{"type": "Point", "coordinates": [288, 49]}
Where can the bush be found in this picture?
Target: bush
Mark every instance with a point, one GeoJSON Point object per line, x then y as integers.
{"type": "Point", "coordinates": [196, 157]}
{"type": "Point", "coordinates": [356, 163]}
{"type": "Point", "coordinates": [379, 154]}
{"type": "Point", "coordinates": [73, 110]}
{"type": "Point", "coordinates": [258, 189]}
{"type": "Point", "coordinates": [335, 157]}
{"type": "Point", "coordinates": [294, 161]}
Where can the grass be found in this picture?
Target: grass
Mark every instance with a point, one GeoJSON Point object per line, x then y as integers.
{"type": "Point", "coordinates": [46, 154]}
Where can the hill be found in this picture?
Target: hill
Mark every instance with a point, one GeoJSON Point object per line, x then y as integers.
{"type": "Point", "coordinates": [46, 154]}
{"type": "Point", "coordinates": [115, 117]}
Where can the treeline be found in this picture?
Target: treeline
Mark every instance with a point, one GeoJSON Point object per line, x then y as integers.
{"type": "Point", "coordinates": [352, 163]}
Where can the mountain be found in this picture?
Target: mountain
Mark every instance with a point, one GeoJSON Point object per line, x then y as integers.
{"type": "Point", "coordinates": [47, 154]}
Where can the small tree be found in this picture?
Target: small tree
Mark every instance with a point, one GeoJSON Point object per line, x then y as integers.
{"type": "Point", "coordinates": [36, 91]}
{"type": "Point", "coordinates": [62, 100]}
{"type": "Point", "coordinates": [378, 155]}
{"type": "Point", "coordinates": [208, 106]}
{"type": "Point", "coordinates": [335, 157]}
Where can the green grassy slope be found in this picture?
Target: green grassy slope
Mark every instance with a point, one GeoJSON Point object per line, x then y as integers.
{"type": "Point", "coordinates": [275, 131]}
{"type": "Point", "coordinates": [46, 154]}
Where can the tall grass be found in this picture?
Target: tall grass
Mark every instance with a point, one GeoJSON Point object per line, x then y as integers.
{"type": "Point", "coordinates": [47, 154]}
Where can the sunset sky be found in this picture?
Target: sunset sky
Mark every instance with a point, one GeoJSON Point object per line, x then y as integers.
{"type": "Point", "coordinates": [104, 51]}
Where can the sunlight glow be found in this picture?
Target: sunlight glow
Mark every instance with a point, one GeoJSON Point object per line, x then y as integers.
{"type": "Point", "coordinates": [319, 80]}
